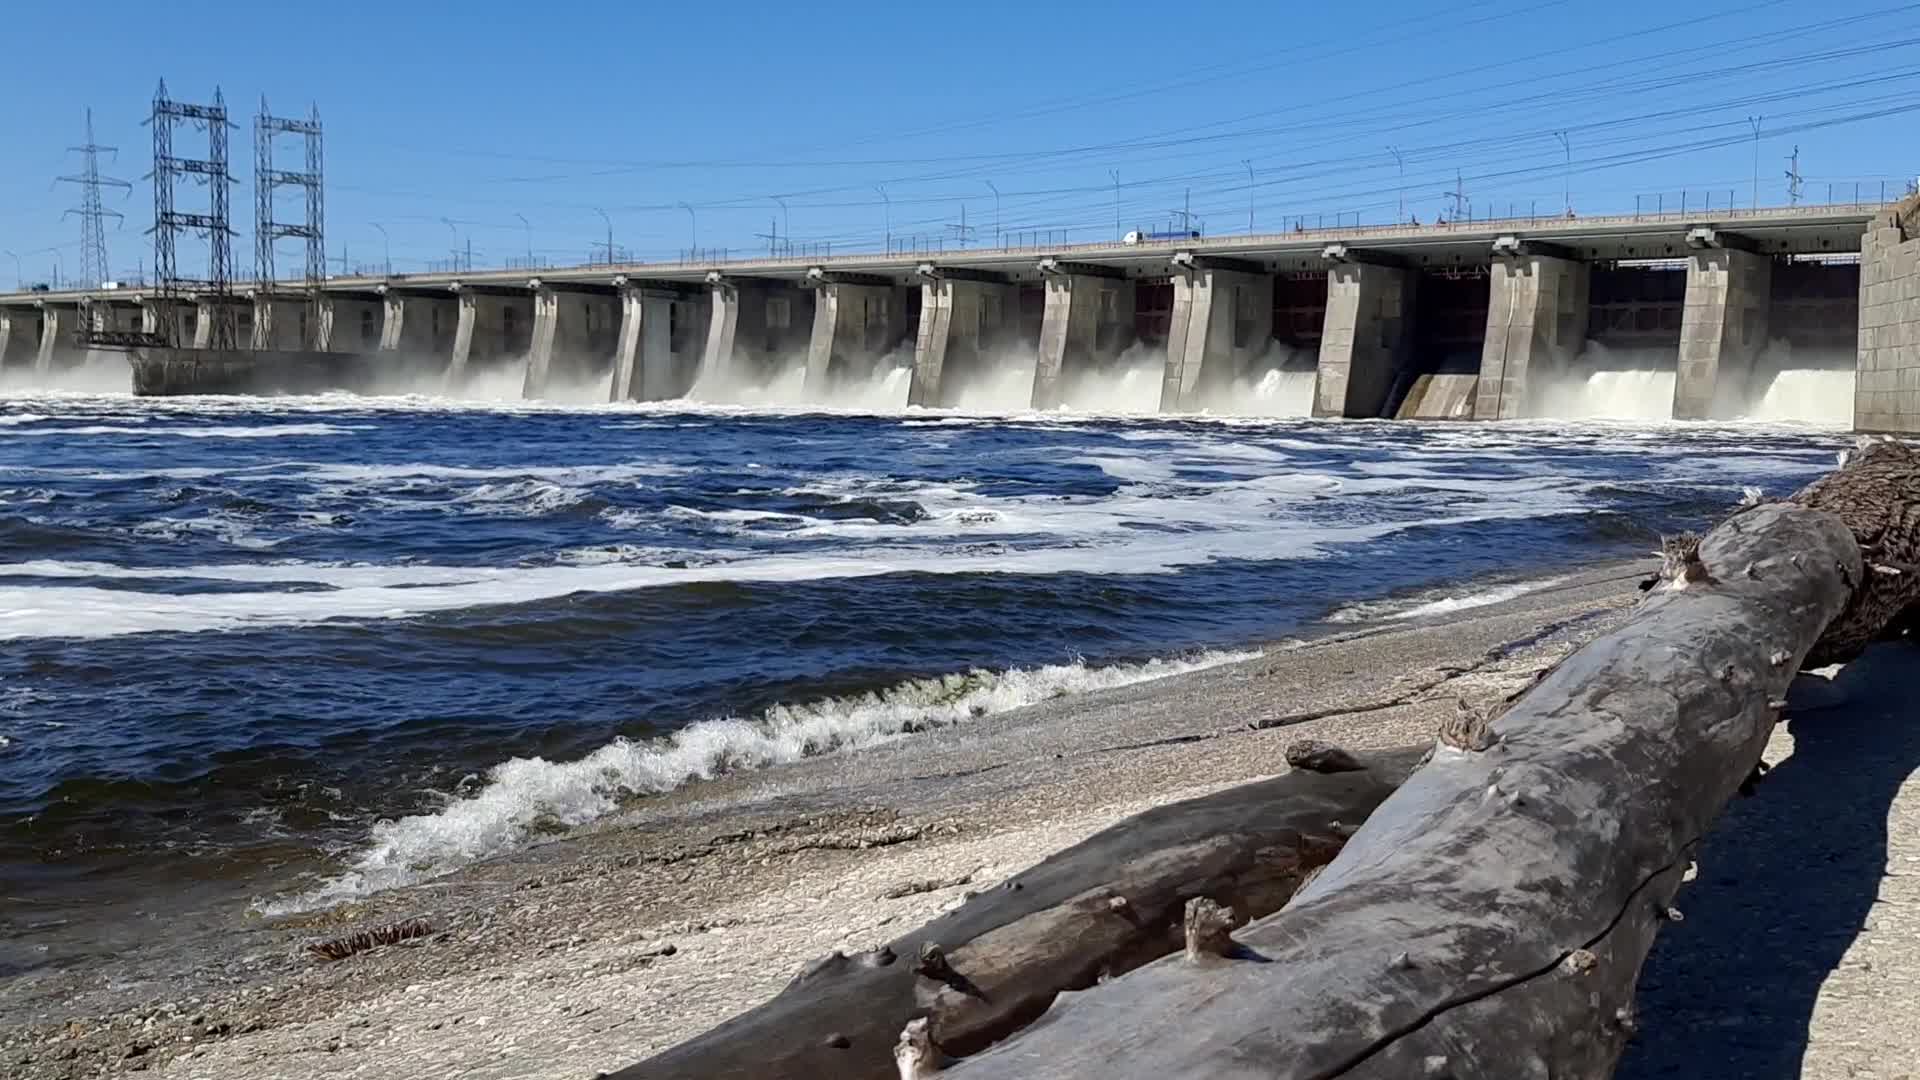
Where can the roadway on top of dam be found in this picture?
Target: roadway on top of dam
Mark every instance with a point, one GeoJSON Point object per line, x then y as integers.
{"type": "Point", "coordinates": [1794, 230]}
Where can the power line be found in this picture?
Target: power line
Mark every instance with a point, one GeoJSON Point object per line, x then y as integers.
{"type": "Point", "coordinates": [94, 267]}
{"type": "Point", "coordinates": [168, 223]}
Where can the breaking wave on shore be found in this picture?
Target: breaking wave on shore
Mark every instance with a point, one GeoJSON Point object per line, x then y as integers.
{"type": "Point", "coordinates": [525, 797]}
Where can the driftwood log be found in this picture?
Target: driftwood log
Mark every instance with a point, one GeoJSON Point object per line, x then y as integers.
{"type": "Point", "coordinates": [1876, 494]}
{"type": "Point", "coordinates": [1490, 919]}
{"type": "Point", "coordinates": [1093, 911]}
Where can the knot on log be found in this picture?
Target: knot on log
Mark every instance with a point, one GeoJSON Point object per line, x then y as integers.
{"type": "Point", "coordinates": [1467, 729]}
{"type": "Point", "coordinates": [1579, 962]}
{"type": "Point", "coordinates": [915, 1053]}
{"type": "Point", "coordinates": [1314, 755]}
{"type": "Point", "coordinates": [933, 963]}
{"type": "Point", "coordinates": [1680, 564]}
{"type": "Point", "coordinates": [1209, 927]}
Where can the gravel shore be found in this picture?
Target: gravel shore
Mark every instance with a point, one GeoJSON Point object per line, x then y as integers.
{"type": "Point", "coordinates": [594, 950]}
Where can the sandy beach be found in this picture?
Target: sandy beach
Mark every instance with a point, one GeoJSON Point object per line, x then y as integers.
{"type": "Point", "coordinates": [588, 953]}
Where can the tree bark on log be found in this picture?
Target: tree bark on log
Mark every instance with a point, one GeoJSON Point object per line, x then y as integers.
{"type": "Point", "coordinates": [1490, 918]}
{"type": "Point", "coordinates": [1876, 494]}
{"type": "Point", "coordinates": [1100, 908]}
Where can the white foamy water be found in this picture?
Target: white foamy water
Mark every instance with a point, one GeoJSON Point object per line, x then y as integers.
{"type": "Point", "coordinates": [1278, 392]}
{"type": "Point", "coordinates": [1630, 394]}
{"type": "Point", "coordinates": [99, 372]}
{"type": "Point", "coordinates": [1207, 527]}
{"type": "Point", "coordinates": [525, 793]}
{"type": "Point", "coordinates": [1004, 385]}
{"type": "Point", "coordinates": [1445, 603]}
{"type": "Point", "coordinates": [1817, 396]}
{"type": "Point", "coordinates": [263, 431]}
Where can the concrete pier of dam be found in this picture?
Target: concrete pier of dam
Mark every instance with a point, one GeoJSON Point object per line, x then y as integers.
{"type": "Point", "coordinates": [1464, 321]}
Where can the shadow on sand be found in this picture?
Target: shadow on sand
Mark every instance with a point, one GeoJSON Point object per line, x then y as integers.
{"type": "Point", "coordinates": [1786, 882]}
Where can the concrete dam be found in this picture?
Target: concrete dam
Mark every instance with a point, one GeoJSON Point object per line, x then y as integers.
{"type": "Point", "coordinates": [1685, 316]}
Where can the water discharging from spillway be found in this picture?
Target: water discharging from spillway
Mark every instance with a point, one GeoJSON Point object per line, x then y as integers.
{"type": "Point", "coordinates": [1812, 395]}
{"type": "Point", "coordinates": [101, 372]}
{"type": "Point", "coordinates": [1614, 394]}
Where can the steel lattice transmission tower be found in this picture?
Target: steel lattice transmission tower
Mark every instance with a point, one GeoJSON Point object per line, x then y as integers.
{"type": "Point", "coordinates": [268, 180]}
{"type": "Point", "coordinates": [215, 225]}
{"type": "Point", "coordinates": [93, 213]}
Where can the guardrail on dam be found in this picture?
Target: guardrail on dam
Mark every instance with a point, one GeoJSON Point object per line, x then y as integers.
{"type": "Point", "coordinates": [1462, 321]}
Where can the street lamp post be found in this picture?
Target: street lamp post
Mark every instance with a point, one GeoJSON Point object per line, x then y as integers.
{"type": "Point", "coordinates": [386, 246]}
{"type": "Point", "coordinates": [786, 222]}
{"type": "Point", "coordinates": [694, 236]}
{"type": "Point", "coordinates": [882, 189]}
{"type": "Point", "coordinates": [1248, 162]}
{"type": "Point", "coordinates": [529, 229]}
{"type": "Point", "coordinates": [1566, 178]}
{"type": "Point", "coordinates": [20, 273]}
{"type": "Point", "coordinates": [1755, 121]}
{"type": "Point", "coordinates": [996, 212]}
{"type": "Point", "coordinates": [1400, 160]}
{"type": "Point", "coordinates": [1115, 173]}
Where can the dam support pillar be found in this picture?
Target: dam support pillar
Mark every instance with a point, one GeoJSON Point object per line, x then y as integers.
{"type": "Point", "coordinates": [1723, 327]}
{"type": "Point", "coordinates": [222, 321]}
{"type": "Point", "coordinates": [58, 324]}
{"type": "Point", "coordinates": [964, 315]}
{"type": "Point", "coordinates": [1367, 340]}
{"type": "Point", "coordinates": [349, 323]}
{"type": "Point", "coordinates": [723, 326]}
{"type": "Point", "coordinates": [280, 322]}
{"type": "Point", "coordinates": [651, 361]}
{"type": "Point", "coordinates": [19, 337]}
{"type": "Point", "coordinates": [1222, 320]}
{"type": "Point", "coordinates": [1886, 386]}
{"type": "Point", "coordinates": [1537, 308]}
{"type": "Point", "coordinates": [171, 319]}
{"type": "Point", "coordinates": [574, 332]}
{"type": "Point", "coordinates": [857, 320]}
{"type": "Point", "coordinates": [1088, 319]}
{"type": "Point", "coordinates": [419, 325]}
{"type": "Point", "coordinates": [490, 326]}
{"type": "Point", "coordinates": [752, 325]}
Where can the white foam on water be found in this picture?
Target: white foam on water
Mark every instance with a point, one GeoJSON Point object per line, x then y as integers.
{"type": "Point", "coordinates": [268, 431]}
{"type": "Point", "coordinates": [523, 794]}
{"type": "Point", "coordinates": [1446, 604]}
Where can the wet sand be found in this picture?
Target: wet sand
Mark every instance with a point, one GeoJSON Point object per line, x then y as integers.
{"type": "Point", "coordinates": [590, 952]}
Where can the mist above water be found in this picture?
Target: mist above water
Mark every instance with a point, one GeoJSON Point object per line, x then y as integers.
{"type": "Point", "coordinates": [101, 372]}
{"type": "Point", "coordinates": [1809, 385]}
{"type": "Point", "coordinates": [1279, 384]}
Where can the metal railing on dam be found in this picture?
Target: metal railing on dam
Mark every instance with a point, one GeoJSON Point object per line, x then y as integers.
{"type": "Point", "coordinates": [1802, 229]}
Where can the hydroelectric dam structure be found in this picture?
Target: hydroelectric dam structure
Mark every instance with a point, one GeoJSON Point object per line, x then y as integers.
{"type": "Point", "coordinates": [1464, 321]}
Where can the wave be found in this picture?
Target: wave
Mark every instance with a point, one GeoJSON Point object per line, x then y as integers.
{"type": "Point", "coordinates": [526, 795]}
{"type": "Point", "coordinates": [1230, 522]}
{"type": "Point", "coordinates": [1429, 604]}
{"type": "Point", "coordinates": [262, 432]}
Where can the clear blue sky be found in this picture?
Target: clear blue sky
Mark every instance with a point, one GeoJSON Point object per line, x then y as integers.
{"type": "Point", "coordinates": [488, 111]}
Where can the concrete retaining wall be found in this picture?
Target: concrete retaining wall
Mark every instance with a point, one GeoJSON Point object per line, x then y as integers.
{"type": "Point", "coordinates": [1886, 394]}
